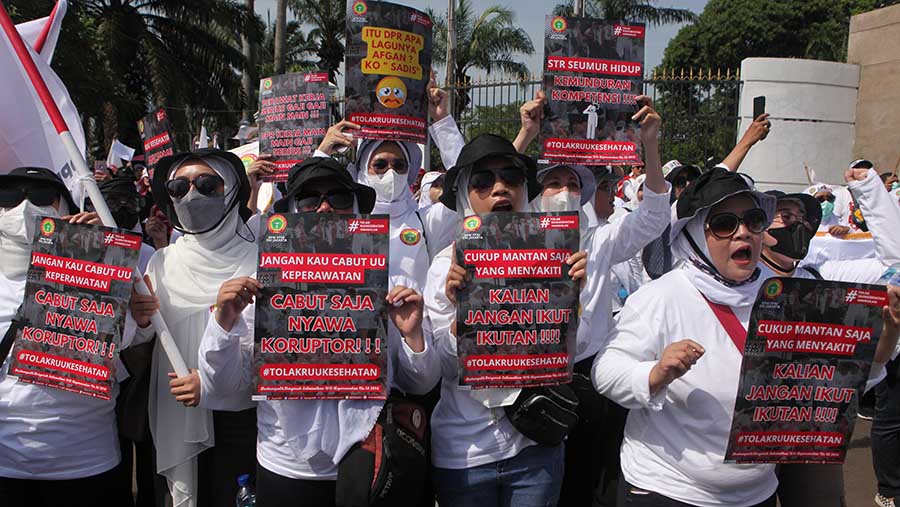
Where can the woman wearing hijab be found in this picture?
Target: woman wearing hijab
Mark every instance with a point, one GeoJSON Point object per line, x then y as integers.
{"type": "Point", "coordinates": [472, 439]}
{"type": "Point", "coordinates": [301, 442]}
{"type": "Point", "coordinates": [200, 449]}
{"type": "Point", "coordinates": [671, 361]}
{"type": "Point", "coordinates": [56, 447]}
{"type": "Point", "coordinates": [431, 188]}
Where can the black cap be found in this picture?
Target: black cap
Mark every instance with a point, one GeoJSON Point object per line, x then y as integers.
{"type": "Point", "coordinates": [39, 175]}
{"type": "Point", "coordinates": [687, 170]}
{"type": "Point", "coordinates": [161, 175]}
{"type": "Point", "coordinates": [811, 207]}
{"type": "Point", "coordinates": [325, 168]}
{"type": "Point", "coordinates": [488, 146]}
{"type": "Point", "coordinates": [118, 185]}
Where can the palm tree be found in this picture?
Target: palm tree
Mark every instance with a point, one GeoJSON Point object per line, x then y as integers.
{"type": "Point", "coordinates": [328, 19]}
{"type": "Point", "coordinates": [170, 52]}
{"type": "Point", "coordinates": [488, 41]}
{"type": "Point", "coordinates": [297, 57]}
{"type": "Point", "coordinates": [631, 10]}
{"type": "Point", "coordinates": [280, 35]}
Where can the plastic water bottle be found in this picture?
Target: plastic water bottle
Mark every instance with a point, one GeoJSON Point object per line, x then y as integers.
{"type": "Point", "coordinates": [246, 497]}
{"type": "Point", "coordinates": [891, 276]}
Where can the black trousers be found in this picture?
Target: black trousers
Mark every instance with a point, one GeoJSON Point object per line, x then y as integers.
{"type": "Point", "coordinates": [592, 447]}
{"type": "Point", "coordinates": [886, 433]}
{"type": "Point", "coordinates": [95, 491]}
{"type": "Point", "coordinates": [273, 490]}
{"type": "Point", "coordinates": [233, 455]}
{"type": "Point", "coordinates": [632, 496]}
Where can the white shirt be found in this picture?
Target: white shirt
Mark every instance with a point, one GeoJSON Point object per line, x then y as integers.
{"type": "Point", "coordinates": [302, 439]}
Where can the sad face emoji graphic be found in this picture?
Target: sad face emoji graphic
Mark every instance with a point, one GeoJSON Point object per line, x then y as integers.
{"type": "Point", "coordinates": [391, 92]}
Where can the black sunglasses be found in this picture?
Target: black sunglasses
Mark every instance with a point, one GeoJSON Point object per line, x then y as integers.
{"type": "Point", "coordinates": [337, 199]}
{"type": "Point", "coordinates": [39, 195]}
{"type": "Point", "coordinates": [724, 225]}
{"type": "Point", "coordinates": [484, 179]}
{"type": "Point", "coordinates": [396, 164]}
{"type": "Point", "coordinates": [206, 184]}
{"type": "Point", "coordinates": [822, 198]}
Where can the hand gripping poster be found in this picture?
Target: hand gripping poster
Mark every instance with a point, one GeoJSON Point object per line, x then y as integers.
{"type": "Point", "coordinates": [388, 66]}
{"type": "Point", "coordinates": [157, 136]}
{"type": "Point", "coordinates": [320, 330]}
{"type": "Point", "coordinates": [293, 119]}
{"type": "Point", "coordinates": [806, 361]}
{"type": "Point", "coordinates": [593, 71]}
{"type": "Point", "coordinates": [516, 317]}
{"type": "Point", "coordinates": [76, 295]}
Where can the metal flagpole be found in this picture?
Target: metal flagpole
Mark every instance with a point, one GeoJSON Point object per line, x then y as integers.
{"type": "Point", "coordinates": [451, 52]}
{"type": "Point", "coordinates": [84, 173]}
{"type": "Point", "coordinates": [579, 7]}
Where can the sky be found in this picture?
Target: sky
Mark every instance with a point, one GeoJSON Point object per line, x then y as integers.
{"type": "Point", "coordinates": [530, 16]}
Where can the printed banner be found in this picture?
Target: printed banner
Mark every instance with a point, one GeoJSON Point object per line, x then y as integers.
{"type": "Point", "coordinates": [293, 118]}
{"type": "Point", "coordinates": [516, 318]}
{"type": "Point", "coordinates": [321, 321]}
{"type": "Point", "coordinates": [157, 136]}
{"type": "Point", "coordinates": [76, 296]}
{"type": "Point", "coordinates": [806, 361]}
{"type": "Point", "coordinates": [593, 70]}
{"type": "Point", "coordinates": [388, 66]}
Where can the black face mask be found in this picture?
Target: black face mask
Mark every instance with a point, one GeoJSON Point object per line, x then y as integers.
{"type": "Point", "coordinates": [124, 218]}
{"type": "Point", "coordinates": [793, 241]}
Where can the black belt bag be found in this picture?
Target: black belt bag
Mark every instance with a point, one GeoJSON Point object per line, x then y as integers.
{"type": "Point", "coordinates": [544, 414]}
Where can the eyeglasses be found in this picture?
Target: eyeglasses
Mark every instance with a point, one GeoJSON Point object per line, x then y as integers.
{"type": "Point", "coordinates": [206, 184]}
{"type": "Point", "coordinates": [485, 179]}
{"type": "Point", "coordinates": [790, 218]}
{"type": "Point", "coordinates": [725, 225]}
{"type": "Point", "coordinates": [438, 183]}
{"type": "Point", "coordinates": [337, 199]}
{"type": "Point", "coordinates": [397, 164]}
{"type": "Point", "coordinates": [39, 195]}
{"type": "Point", "coordinates": [124, 204]}
{"type": "Point", "coordinates": [823, 198]}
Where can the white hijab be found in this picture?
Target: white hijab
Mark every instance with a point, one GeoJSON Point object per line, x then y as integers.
{"type": "Point", "coordinates": [405, 202]}
{"type": "Point", "coordinates": [425, 188]}
{"type": "Point", "coordinates": [186, 277]}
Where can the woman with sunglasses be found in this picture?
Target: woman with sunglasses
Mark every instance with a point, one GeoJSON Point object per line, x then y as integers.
{"type": "Point", "coordinates": [472, 439]}
{"type": "Point", "coordinates": [56, 447]}
{"type": "Point", "coordinates": [301, 443]}
{"type": "Point", "coordinates": [200, 447]}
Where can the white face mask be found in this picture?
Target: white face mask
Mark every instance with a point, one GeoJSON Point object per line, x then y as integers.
{"type": "Point", "coordinates": [562, 201]}
{"type": "Point", "coordinates": [389, 186]}
{"type": "Point", "coordinates": [17, 228]}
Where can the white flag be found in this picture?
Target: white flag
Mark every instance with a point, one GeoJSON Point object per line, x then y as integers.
{"type": "Point", "coordinates": [117, 153]}
{"type": "Point", "coordinates": [203, 140]}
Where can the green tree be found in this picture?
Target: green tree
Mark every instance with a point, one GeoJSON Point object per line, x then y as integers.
{"type": "Point", "coordinates": [329, 21]}
{"type": "Point", "coordinates": [489, 41]}
{"type": "Point", "coordinates": [298, 55]}
{"type": "Point", "coordinates": [631, 10]}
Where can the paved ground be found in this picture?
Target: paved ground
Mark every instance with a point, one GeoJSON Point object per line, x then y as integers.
{"type": "Point", "coordinates": [859, 479]}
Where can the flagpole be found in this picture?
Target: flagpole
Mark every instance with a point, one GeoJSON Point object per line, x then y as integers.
{"type": "Point", "coordinates": [77, 159]}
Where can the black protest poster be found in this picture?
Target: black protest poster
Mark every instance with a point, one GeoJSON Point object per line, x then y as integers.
{"type": "Point", "coordinates": [157, 136]}
{"type": "Point", "coordinates": [593, 71]}
{"type": "Point", "coordinates": [388, 66]}
{"type": "Point", "coordinates": [293, 118]}
{"type": "Point", "coordinates": [76, 295]}
{"type": "Point", "coordinates": [321, 323]}
{"type": "Point", "coordinates": [516, 317]}
{"type": "Point", "coordinates": [806, 361]}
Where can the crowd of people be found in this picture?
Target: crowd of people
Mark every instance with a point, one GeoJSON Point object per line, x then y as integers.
{"type": "Point", "coordinates": [665, 251]}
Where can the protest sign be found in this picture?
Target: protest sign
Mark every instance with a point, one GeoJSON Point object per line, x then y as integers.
{"type": "Point", "coordinates": [593, 71]}
{"type": "Point", "coordinates": [76, 295]}
{"type": "Point", "coordinates": [388, 66]}
{"type": "Point", "coordinates": [293, 119]}
{"type": "Point", "coordinates": [806, 361]}
{"type": "Point", "coordinates": [248, 153]}
{"type": "Point", "coordinates": [157, 136]}
{"type": "Point", "coordinates": [321, 322]}
{"type": "Point", "coordinates": [517, 317]}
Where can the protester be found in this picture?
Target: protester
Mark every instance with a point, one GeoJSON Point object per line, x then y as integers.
{"type": "Point", "coordinates": [301, 443]}
{"type": "Point", "coordinates": [56, 447]}
{"type": "Point", "coordinates": [431, 188]}
{"type": "Point", "coordinates": [674, 365]}
{"type": "Point", "coordinates": [890, 181]}
{"type": "Point", "coordinates": [199, 449]}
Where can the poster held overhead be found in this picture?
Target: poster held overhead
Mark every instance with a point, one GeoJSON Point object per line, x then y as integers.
{"type": "Point", "coordinates": [321, 322]}
{"type": "Point", "coordinates": [517, 316]}
{"type": "Point", "coordinates": [293, 119]}
{"type": "Point", "coordinates": [593, 71]}
{"type": "Point", "coordinates": [157, 136]}
{"type": "Point", "coordinates": [806, 361]}
{"type": "Point", "coordinates": [387, 69]}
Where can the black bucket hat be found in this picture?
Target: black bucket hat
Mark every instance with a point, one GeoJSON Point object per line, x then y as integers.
{"type": "Point", "coordinates": [685, 170]}
{"type": "Point", "coordinates": [161, 175]}
{"type": "Point", "coordinates": [713, 187]}
{"type": "Point", "coordinates": [811, 207]}
{"type": "Point", "coordinates": [325, 168]}
{"type": "Point", "coordinates": [488, 146]}
{"type": "Point", "coordinates": [39, 175]}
